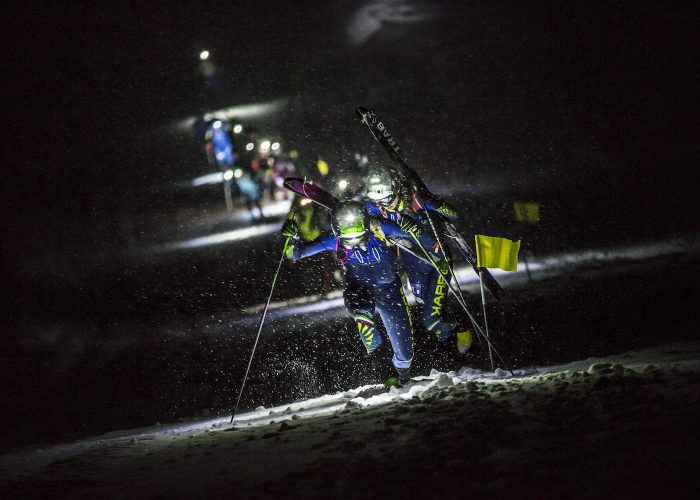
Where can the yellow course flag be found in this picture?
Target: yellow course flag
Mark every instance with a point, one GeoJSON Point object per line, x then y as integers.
{"type": "Point", "coordinates": [496, 252]}
{"type": "Point", "coordinates": [527, 211]}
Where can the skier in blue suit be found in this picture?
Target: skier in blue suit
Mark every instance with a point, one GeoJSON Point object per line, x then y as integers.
{"type": "Point", "coordinates": [219, 145]}
{"type": "Point", "coordinates": [372, 283]}
{"type": "Point", "coordinates": [391, 199]}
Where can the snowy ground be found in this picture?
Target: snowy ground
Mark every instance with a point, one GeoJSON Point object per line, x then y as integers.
{"type": "Point", "coordinates": [624, 425]}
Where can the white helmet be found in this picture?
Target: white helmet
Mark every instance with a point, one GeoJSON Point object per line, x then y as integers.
{"type": "Point", "coordinates": [380, 184]}
{"type": "Point", "coordinates": [351, 224]}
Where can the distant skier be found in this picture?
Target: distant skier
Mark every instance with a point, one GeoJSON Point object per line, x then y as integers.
{"type": "Point", "coordinates": [392, 197]}
{"type": "Point", "coordinates": [219, 149]}
{"type": "Point", "coordinates": [219, 146]}
{"type": "Point", "coordinates": [371, 280]}
{"type": "Point", "coordinates": [250, 193]}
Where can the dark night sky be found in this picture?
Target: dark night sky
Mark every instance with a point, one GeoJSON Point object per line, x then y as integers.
{"type": "Point", "coordinates": [85, 79]}
{"type": "Point", "coordinates": [83, 64]}
{"type": "Point", "coordinates": [90, 68]}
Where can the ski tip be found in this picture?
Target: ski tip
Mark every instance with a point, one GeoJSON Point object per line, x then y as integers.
{"type": "Point", "coordinates": [289, 182]}
{"type": "Point", "coordinates": [361, 111]}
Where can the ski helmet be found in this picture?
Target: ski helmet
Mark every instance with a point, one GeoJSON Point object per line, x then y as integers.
{"type": "Point", "coordinates": [380, 184]}
{"type": "Point", "coordinates": [351, 224]}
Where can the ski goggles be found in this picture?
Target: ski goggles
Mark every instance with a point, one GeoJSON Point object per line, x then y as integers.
{"type": "Point", "coordinates": [382, 198]}
{"type": "Point", "coordinates": [352, 239]}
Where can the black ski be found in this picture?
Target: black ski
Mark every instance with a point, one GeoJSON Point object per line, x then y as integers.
{"type": "Point", "coordinates": [382, 135]}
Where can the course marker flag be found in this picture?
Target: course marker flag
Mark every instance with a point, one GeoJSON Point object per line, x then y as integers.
{"type": "Point", "coordinates": [527, 211]}
{"type": "Point", "coordinates": [496, 252]}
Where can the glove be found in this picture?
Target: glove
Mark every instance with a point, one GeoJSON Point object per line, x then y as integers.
{"type": "Point", "coordinates": [289, 251]}
{"type": "Point", "coordinates": [447, 210]}
{"type": "Point", "coordinates": [290, 229]}
{"type": "Point", "coordinates": [408, 225]}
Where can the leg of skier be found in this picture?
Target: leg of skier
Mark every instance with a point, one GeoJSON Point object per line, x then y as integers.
{"type": "Point", "coordinates": [360, 304]}
{"type": "Point", "coordinates": [393, 308]}
{"type": "Point", "coordinates": [431, 289]}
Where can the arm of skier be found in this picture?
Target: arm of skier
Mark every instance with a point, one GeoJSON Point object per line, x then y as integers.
{"type": "Point", "coordinates": [373, 210]}
{"type": "Point", "coordinates": [433, 203]}
{"type": "Point", "coordinates": [323, 243]}
{"type": "Point", "coordinates": [426, 240]}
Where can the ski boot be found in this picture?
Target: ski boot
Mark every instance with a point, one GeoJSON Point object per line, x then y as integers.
{"type": "Point", "coordinates": [464, 341]}
{"type": "Point", "coordinates": [402, 377]}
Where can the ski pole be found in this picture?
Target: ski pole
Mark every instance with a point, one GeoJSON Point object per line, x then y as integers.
{"type": "Point", "coordinates": [486, 323]}
{"type": "Point", "coordinates": [262, 320]}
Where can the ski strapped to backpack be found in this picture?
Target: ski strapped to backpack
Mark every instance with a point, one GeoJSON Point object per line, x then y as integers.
{"type": "Point", "coordinates": [312, 191]}
{"type": "Point", "coordinates": [382, 135]}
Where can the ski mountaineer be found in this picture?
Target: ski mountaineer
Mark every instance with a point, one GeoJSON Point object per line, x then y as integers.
{"type": "Point", "coordinates": [391, 199]}
{"type": "Point", "coordinates": [372, 283]}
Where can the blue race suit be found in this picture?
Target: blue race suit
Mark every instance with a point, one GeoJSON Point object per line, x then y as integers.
{"type": "Point", "coordinates": [428, 285]}
{"type": "Point", "coordinates": [372, 284]}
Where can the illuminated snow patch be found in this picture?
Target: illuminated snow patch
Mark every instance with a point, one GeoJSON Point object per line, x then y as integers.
{"type": "Point", "coordinates": [219, 238]}
{"type": "Point", "coordinates": [321, 306]}
{"type": "Point", "coordinates": [215, 178]}
{"type": "Point", "coordinates": [242, 112]}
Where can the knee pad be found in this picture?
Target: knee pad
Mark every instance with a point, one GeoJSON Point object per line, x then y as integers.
{"type": "Point", "coordinates": [369, 336]}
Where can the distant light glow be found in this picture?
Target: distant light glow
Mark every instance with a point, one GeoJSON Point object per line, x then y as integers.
{"type": "Point", "coordinates": [249, 146]}
{"type": "Point", "coordinates": [238, 173]}
{"type": "Point", "coordinates": [238, 128]}
{"type": "Point", "coordinates": [265, 145]}
{"type": "Point", "coordinates": [217, 124]}
{"type": "Point", "coordinates": [343, 184]}
{"type": "Point", "coordinates": [204, 55]}
{"type": "Point", "coordinates": [228, 175]}
{"type": "Point", "coordinates": [275, 146]}
{"type": "Point", "coordinates": [305, 201]}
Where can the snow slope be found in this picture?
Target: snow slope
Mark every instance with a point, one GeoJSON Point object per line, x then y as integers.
{"type": "Point", "coordinates": [623, 425]}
